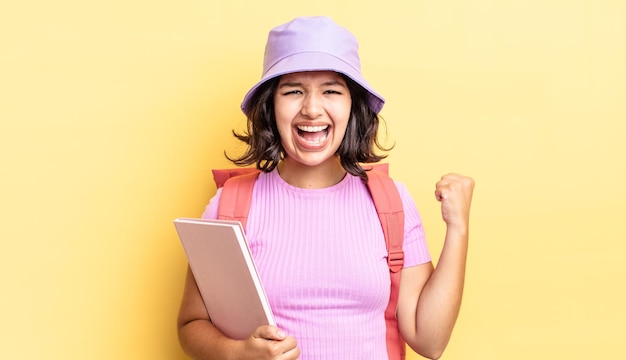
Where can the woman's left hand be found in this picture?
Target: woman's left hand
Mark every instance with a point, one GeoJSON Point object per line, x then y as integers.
{"type": "Point", "coordinates": [454, 191]}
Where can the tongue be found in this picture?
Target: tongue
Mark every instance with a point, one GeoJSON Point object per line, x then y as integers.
{"type": "Point", "coordinates": [313, 136]}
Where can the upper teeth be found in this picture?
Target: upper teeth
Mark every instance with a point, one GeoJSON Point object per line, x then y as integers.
{"type": "Point", "coordinates": [312, 128]}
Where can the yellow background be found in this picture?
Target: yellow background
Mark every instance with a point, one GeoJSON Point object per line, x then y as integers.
{"type": "Point", "coordinates": [112, 114]}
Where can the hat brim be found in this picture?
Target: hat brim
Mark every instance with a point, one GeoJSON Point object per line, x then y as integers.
{"type": "Point", "coordinates": [321, 62]}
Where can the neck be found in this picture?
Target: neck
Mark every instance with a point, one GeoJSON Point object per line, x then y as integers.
{"type": "Point", "coordinates": [320, 176]}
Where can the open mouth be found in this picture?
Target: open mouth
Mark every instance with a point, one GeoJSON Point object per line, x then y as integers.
{"type": "Point", "coordinates": [313, 135]}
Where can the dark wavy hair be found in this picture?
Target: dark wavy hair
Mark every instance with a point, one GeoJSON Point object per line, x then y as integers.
{"type": "Point", "coordinates": [358, 146]}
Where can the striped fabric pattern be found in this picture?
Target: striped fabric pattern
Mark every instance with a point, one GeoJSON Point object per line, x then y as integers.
{"type": "Point", "coordinates": [321, 256]}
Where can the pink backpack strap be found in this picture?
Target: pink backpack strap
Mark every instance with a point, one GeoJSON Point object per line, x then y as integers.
{"type": "Point", "coordinates": [221, 175]}
{"type": "Point", "coordinates": [391, 214]}
{"type": "Point", "coordinates": [236, 197]}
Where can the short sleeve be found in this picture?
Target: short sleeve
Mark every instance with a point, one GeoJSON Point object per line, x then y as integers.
{"type": "Point", "coordinates": [415, 247]}
{"type": "Point", "coordinates": [211, 210]}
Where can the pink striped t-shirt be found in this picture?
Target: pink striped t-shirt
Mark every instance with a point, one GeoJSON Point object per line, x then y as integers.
{"type": "Point", "coordinates": [321, 257]}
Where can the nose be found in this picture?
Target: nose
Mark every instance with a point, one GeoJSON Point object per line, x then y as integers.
{"type": "Point", "coordinates": [312, 106]}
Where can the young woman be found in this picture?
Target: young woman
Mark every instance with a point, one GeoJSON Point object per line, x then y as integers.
{"type": "Point", "coordinates": [313, 229]}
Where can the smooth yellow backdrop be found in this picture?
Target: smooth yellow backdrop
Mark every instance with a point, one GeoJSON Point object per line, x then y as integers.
{"type": "Point", "coordinates": [113, 113]}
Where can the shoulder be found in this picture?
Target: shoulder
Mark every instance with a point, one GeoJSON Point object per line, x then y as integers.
{"type": "Point", "coordinates": [210, 212]}
{"type": "Point", "coordinates": [405, 194]}
{"type": "Point", "coordinates": [411, 212]}
{"type": "Point", "coordinates": [245, 183]}
{"type": "Point", "coordinates": [384, 180]}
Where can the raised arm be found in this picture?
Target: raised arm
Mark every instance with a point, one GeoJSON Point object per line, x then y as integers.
{"type": "Point", "coordinates": [430, 299]}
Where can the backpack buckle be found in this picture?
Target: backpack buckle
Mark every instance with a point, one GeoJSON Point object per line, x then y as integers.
{"type": "Point", "coordinates": [395, 260]}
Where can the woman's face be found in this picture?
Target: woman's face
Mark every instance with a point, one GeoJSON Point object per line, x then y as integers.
{"type": "Point", "coordinates": [312, 110]}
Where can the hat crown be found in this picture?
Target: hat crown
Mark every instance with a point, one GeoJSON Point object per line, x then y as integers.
{"type": "Point", "coordinates": [317, 34]}
{"type": "Point", "coordinates": [312, 44]}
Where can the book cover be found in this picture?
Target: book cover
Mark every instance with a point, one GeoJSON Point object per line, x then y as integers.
{"type": "Point", "coordinates": [226, 276]}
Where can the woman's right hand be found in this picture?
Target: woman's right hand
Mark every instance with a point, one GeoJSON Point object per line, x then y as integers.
{"type": "Point", "coordinates": [268, 342]}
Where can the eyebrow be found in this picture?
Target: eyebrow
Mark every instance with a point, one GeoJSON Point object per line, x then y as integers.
{"type": "Point", "coordinates": [326, 83]}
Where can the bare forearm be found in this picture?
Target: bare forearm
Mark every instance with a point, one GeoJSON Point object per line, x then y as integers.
{"type": "Point", "coordinates": [202, 341]}
{"type": "Point", "coordinates": [440, 301]}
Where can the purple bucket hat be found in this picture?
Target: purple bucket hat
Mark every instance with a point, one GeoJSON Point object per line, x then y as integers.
{"type": "Point", "coordinates": [312, 44]}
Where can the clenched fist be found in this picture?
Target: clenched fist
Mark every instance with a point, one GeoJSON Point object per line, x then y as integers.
{"type": "Point", "coordinates": [454, 191]}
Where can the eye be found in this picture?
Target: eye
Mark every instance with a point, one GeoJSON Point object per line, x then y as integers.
{"type": "Point", "coordinates": [330, 91]}
{"type": "Point", "coordinates": [292, 92]}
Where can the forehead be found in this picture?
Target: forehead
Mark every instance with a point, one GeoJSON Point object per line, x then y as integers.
{"type": "Point", "coordinates": [313, 77]}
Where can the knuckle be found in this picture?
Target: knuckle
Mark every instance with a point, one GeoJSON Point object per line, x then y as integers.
{"type": "Point", "coordinates": [274, 349]}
